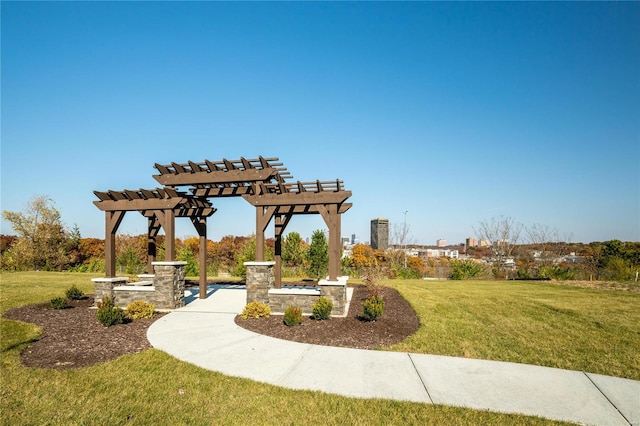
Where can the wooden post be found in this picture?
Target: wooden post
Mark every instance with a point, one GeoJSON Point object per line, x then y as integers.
{"type": "Point", "coordinates": [263, 217]}
{"type": "Point", "coordinates": [152, 248]}
{"type": "Point", "coordinates": [281, 222]}
{"type": "Point", "coordinates": [259, 234]}
{"type": "Point", "coordinates": [167, 219]}
{"type": "Point", "coordinates": [332, 219]}
{"type": "Point", "coordinates": [113, 219]}
{"type": "Point", "coordinates": [200, 223]}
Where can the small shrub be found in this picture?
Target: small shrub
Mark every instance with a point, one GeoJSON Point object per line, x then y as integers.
{"type": "Point", "coordinates": [256, 310]}
{"type": "Point", "coordinates": [292, 316]}
{"type": "Point", "coordinates": [321, 310]}
{"type": "Point", "coordinates": [74, 293]}
{"type": "Point", "coordinates": [59, 303]}
{"type": "Point", "coordinates": [109, 314]}
{"type": "Point", "coordinates": [465, 269]}
{"type": "Point", "coordinates": [372, 308]}
{"type": "Point", "coordinates": [139, 309]}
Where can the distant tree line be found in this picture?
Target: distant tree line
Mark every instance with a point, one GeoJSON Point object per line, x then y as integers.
{"type": "Point", "coordinates": [44, 242]}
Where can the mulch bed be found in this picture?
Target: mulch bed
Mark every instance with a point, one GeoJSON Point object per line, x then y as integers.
{"type": "Point", "coordinates": [73, 338]}
{"type": "Point", "coordinates": [398, 322]}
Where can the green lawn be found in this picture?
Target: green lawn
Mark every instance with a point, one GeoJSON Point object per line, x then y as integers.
{"type": "Point", "coordinates": [592, 330]}
{"type": "Point", "coordinates": [154, 388]}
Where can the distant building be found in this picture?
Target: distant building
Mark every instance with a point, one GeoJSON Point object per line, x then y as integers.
{"type": "Point", "coordinates": [451, 254]}
{"type": "Point", "coordinates": [484, 243]}
{"type": "Point", "coordinates": [441, 243]}
{"type": "Point", "coordinates": [353, 239]}
{"type": "Point", "coordinates": [471, 242]}
{"type": "Point", "coordinates": [379, 234]}
{"type": "Point", "coordinates": [345, 241]}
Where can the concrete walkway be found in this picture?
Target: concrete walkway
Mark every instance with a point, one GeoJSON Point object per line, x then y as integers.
{"type": "Point", "coordinates": [204, 333]}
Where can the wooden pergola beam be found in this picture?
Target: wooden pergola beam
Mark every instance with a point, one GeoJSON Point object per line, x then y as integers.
{"type": "Point", "coordinates": [139, 204]}
{"type": "Point", "coordinates": [202, 177]}
{"type": "Point", "coordinates": [298, 199]}
{"type": "Point", "coordinates": [214, 191]}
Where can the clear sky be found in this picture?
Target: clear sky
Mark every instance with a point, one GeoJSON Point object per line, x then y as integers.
{"type": "Point", "coordinates": [454, 112]}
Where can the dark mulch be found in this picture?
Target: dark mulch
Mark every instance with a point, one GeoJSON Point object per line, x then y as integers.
{"type": "Point", "coordinates": [398, 322]}
{"type": "Point", "coordinates": [73, 338]}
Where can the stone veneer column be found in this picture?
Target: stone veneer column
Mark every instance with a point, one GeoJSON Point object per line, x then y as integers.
{"type": "Point", "coordinates": [169, 284]}
{"type": "Point", "coordinates": [260, 279]}
{"type": "Point", "coordinates": [104, 287]}
{"type": "Point", "coordinates": [336, 291]}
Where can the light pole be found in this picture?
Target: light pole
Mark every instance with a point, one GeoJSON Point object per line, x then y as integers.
{"type": "Point", "coordinates": [404, 238]}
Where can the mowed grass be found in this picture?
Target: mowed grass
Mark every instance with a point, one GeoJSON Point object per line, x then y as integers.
{"type": "Point", "coordinates": [592, 330]}
{"type": "Point", "coordinates": [155, 388]}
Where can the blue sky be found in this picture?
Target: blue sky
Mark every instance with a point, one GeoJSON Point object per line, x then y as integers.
{"type": "Point", "coordinates": [454, 112]}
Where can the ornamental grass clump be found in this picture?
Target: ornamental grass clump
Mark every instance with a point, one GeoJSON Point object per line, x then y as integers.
{"type": "Point", "coordinates": [321, 310]}
{"type": "Point", "coordinates": [292, 316]}
{"type": "Point", "coordinates": [109, 314]}
{"type": "Point", "coordinates": [139, 309]}
{"type": "Point", "coordinates": [256, 310]}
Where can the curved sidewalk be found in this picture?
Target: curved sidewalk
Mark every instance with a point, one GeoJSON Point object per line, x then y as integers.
{"type": "Point", "coordinates": [204, 333]}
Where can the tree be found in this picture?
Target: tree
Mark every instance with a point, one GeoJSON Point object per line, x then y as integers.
{"type": "Point", "coordinates": [503, 234]}
{"type": "Point", "coordinates": [547, 242]}
{"type": "Point", "coordinates": [318, 255]}
{"type": "Point", "coordinates": [247, 253]}
{"type": "Point", "coordinates": [400, 238]}
{"type": "Point", "coordinates": [293, 250]}
{"type": "Point", "coordinates": [363, 256]}
{"type": "Point", "coordinates": [42, 241]}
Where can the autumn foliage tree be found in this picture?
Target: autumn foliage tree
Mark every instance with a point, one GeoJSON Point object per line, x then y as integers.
{"type": "Point", "coordinates": [43, 241]}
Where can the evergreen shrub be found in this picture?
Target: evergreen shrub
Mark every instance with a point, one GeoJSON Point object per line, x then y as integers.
{"type": "Point", "coordinates": [321, 310]}
{"type": "Point", "coordinates": [256, 310]}
{"type": "Point", "coordinates": [59, 303]}
{"type": "Point", "coordinates": [372, 308]}
{"type": "Point", "coordinates": [74, 293]}
{"type": "Point", "coordinates": [109, 314]}
{"type": "Point", "coordinates": [139, 309]}
{"type": "Point", "coordinates": [292, 316]}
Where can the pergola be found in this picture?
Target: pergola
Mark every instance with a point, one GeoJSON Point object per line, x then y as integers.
{"type": "Point", "coordinates": [263, 182]}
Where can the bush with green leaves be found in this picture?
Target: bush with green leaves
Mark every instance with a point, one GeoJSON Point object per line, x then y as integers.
{"type": "Point", "coordinates": [74, 293]}
{"type": "Point", "coordinates": [465, 269]}
{"type": "Point", "coordinates": [321, 310]}
{"type": "Point", "coordinates": [59, 303]}
{"type": "Point", "coordinates": [109, 314]}
{"type": "Point", "coordinates": [292, 316]}
{"type": "Point", "coordinates": [139, 309]}
{"type": "Point", "coordinates": [408, 274]}
{"type": "Point", "coordinates": [256, 310]}
{"type": "Point", "coordinates": [372, 308]}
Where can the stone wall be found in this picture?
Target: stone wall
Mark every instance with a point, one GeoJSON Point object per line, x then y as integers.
{"type": "Point", "coordinates": [281, 298]}
{"type": "Point", "coordinates": [336, 291]}
{"type": "Point", "coordinates": [104, 287]}
{"type": "Point", "coordinates": [166, 291]}
{"type": "Point", "coordinates": [260, 288]}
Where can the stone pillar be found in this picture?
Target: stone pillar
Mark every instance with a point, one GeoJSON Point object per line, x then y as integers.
{"type": "Point", "coordinates": [104, 287]}
{"type": "Point", "coordinates": [169, 284]}
{"type": "Point", "coordinates": [260, 279]}
{"type": "Point", "coordinates": [336, 291]}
